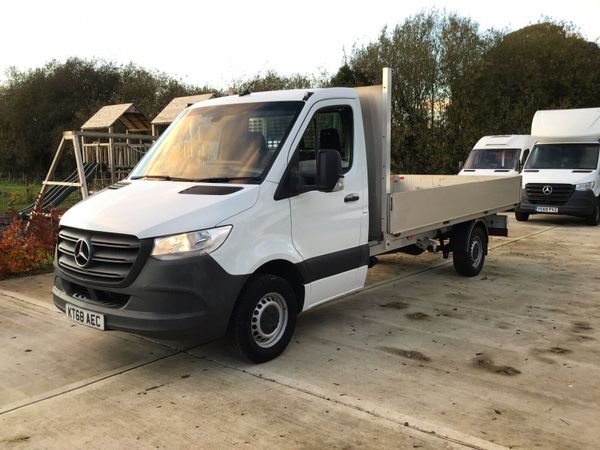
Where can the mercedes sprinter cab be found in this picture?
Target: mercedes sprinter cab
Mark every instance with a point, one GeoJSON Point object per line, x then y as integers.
{"type": "Point", "coordinates": [498, 155]}
{"type": "Point", "coordinates": [561, 175]}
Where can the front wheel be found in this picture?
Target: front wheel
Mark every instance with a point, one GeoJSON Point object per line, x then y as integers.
{"type": "Point", "coordinates": [594, 218]}
{"type": "Point", "coordinates": [264, 319]}
{"type": "Point", "coordinates": [521, 216]}
{"type": "Point", "coordinates": [469, 246]}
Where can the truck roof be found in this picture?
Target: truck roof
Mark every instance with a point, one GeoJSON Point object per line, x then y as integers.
{"type": "Point", "coordinates": [280, 96]}
{"type": "Point", "coordinates": [566, 125]}
{"type": "Point", "coordinates": [505, 141]}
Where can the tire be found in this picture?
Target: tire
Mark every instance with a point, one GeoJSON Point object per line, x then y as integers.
{"type": "Point", "coordinates": [594, 219]}
{"type": "Point", "coordinates": [264, 318]}
{"type": "Point", "coordinates": [521, 216]}
{"type": "Point", "coordinates": [469, 246]}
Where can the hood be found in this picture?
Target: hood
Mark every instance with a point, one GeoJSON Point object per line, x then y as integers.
{"type": "Point", "coordinates": [146, 208]}
{"type": "Point", "coordinates": [558, 176]}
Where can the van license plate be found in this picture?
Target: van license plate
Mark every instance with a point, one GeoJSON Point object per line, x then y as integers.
{"type": "Point", "coordinates": [84, 317]}
{"type": "Point", "coordinates": [546, 209]}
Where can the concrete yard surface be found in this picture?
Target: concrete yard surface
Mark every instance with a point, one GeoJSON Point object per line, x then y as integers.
{"type": "Point", "coordinates": [421, 358]}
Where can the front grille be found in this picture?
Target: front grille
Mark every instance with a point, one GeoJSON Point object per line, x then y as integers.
{"type": "Point", "coordinates": [559, 196]}
{"type": "Point", "coordinates": [111, 258]}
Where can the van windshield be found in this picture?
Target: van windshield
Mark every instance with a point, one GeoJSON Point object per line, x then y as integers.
{"type": "Point", "coordinates": [563, 156]}
{"type": "Point", "coordinates": [226, 143]}
{"type": "Point", "coordinates": [493, 158]}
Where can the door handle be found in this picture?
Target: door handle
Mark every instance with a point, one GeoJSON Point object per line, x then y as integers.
{"type": "Point", "coordinates": [351, 198]}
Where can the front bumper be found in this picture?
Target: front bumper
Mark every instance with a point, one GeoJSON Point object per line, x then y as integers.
{"type": "Point", "coordinates": [168, 298]}
{"type": "Point", "coordinates": [579, 204]}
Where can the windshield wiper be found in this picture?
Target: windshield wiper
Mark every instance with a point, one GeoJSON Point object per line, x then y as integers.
{"type": "Point", "coordinates": [225, 179]}
{"type": "Point", "coordinates": [161, 178]}
{"type": "Point", "coordinates": [196, 180]}
{"type": "Point", "coordinates": [152, 177]}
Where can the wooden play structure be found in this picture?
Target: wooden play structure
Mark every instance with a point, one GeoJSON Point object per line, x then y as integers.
{"type": "Point", "coordinates": [107, 148]}
{"type": "Point", "coordinates": [172, 110]}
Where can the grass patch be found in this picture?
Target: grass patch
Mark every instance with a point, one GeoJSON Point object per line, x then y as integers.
{"type": "Point", "coordinates": [16, 195]}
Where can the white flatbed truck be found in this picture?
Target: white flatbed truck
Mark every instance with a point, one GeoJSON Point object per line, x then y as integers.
{"type": "Point", "coordinates": [253, 208]}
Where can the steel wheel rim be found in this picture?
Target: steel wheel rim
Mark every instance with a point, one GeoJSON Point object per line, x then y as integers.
{"type": "Point", "coordinates": [269, 320]}
{"type": "Point", "coordinates": [476, 251]}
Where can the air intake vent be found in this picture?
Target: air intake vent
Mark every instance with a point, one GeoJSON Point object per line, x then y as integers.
{"type": "Point", "coordinates": [211, 190]}
{"type": "Point", "coordinates": [101, 297]}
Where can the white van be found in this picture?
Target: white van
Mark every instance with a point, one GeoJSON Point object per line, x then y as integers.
{"type": "Point", "coordinates": [561, 175]}
{"type": "Point", "coordinates": [498, 155]}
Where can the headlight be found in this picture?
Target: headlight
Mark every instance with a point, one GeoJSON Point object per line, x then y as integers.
{"type": "Point", "coordinates": [190, 244]}
{"type": "Point", "coordinates": [585, 186]}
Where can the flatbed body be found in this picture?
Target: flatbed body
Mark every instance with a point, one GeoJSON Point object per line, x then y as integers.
{"type": "Point", "coordinates": [403, 208]}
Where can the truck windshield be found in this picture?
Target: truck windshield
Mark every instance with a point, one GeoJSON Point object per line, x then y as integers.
{"type": "Point", "coordinates": [493, 158]}
{"type": "Point", "coordinates": [563, 156]}
{"type": "Point", "coordinates": [226, 143]}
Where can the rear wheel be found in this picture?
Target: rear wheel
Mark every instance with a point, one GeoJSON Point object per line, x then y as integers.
{"type": "Point", "coordinates": [264, 319]}
{"type": "Point", "coordinates": [469, 246]}
{"type": "Point", "coordinates": [594, 218]}
{"type": "Point", "coordinates": [521, 216]}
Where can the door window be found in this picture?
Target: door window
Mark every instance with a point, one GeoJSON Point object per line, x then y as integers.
{"type": "Point", "coordinates": [329, 129]}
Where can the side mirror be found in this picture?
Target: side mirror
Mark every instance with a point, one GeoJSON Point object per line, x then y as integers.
{"type": "Point", "coordinates": [523, 160]}
{"type": "Point", "coordinates": [460, 165]}
{"type": "Point", "coordinates": [329, 169]}
{"type": "Point", "coordinates": [518, 166]}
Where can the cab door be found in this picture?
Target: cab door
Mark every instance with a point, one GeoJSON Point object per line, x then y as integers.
{"type": "Point", "coordinates": [326, 226]}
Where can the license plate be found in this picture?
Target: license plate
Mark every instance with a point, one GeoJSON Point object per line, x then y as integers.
{"type": "Point", "coordinates": [85, 317]}
{"type": "Point", "coordinates": [546, 209]}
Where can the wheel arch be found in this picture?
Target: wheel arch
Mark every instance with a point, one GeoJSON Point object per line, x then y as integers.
{"type": "Point", "coordinates": [289, 272]}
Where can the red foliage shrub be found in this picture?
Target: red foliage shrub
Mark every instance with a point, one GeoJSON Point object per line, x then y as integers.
{"type": "Point", "coordinates": [28, 246]}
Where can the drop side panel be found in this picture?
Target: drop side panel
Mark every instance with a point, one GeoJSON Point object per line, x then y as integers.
{"type": "Point", "coordinates": [427, 202]}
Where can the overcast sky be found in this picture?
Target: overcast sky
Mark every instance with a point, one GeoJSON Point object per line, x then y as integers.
{"type": "Point", "coordinates": [215, 42]}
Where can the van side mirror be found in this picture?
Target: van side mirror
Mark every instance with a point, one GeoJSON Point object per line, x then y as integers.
{"type": "Point", "coordinates": [518, 166]}
{"type": "Point", "coordinates": [329, 169]}
{"type": "Point", "coordinates": [460, 165]}
{"type": "Point", "coordinates": [328, 173]}
{"type": "Point", "coordinates": [523, 160]}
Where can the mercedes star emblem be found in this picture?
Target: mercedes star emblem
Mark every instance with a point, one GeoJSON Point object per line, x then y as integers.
{"type": "Point", "coordinates": [547, 190]}
{"type": "Point", "coordinates": [83, 253]}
